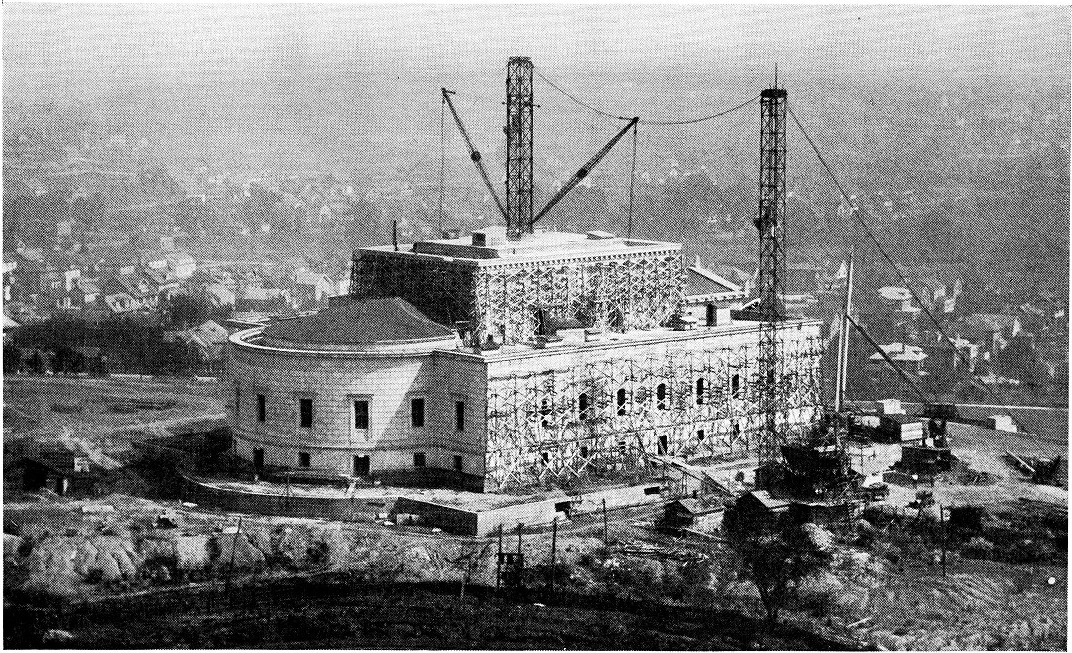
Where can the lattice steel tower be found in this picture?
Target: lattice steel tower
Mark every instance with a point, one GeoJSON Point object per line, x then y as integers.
{"type": "Point", "coordinates": [518, 146]}
{"type": "Point", "coordinates": [771, 226]}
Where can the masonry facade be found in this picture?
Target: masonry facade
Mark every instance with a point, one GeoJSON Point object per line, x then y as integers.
{"type": "Point", "coordinates": [583, 378]}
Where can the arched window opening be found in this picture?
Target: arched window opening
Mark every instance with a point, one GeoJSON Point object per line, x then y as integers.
{"type": "Point", "coordinates": [735, 386]}
{"type": "Point", "coordinates": [701, 391]}
{"type": "Point", "coordinates": [545, 412]}
{"type": "Point", "coordinates": [660, 396]}
{"type": "Point", "coordinates": [621, 401]}
{"type": "Point", "coordinates": [583, 406]}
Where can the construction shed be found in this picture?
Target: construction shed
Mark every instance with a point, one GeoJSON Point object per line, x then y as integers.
{"type": "Point", "coordinates": [822, 512]}
{"type": "Point", "coordinates": [59, 471]}
{"type": "Point", "coordinates": [759, 508]}
{"type": "Point", "coordinates": [694, 514]}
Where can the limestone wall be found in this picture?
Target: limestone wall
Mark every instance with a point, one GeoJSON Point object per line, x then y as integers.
{"type": "Point", "coordinates": [333, 381]}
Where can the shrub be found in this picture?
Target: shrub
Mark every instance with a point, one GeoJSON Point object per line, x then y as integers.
{"type": "Point", "coordinates": [1029, 550]}
{"type": "Point", "coordinates": [978, 547]}
{"type": "Point", "coordinates": [967, 518]}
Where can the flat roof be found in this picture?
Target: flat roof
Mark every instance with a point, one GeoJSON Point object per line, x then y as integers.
{"type": "Point", "coordinates": [489, 247]}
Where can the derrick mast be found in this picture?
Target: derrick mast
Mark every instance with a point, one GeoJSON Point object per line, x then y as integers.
{"type": "Point", "coordinates": [771, 226]}
{"type": "Point", "coordinates": [518, 146]}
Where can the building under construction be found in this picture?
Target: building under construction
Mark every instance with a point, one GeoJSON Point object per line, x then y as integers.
{"type": "Point", "coordinates": [513, 357]}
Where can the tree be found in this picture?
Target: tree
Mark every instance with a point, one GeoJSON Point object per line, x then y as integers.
{"type": "Point", "coordinates": [188, 310]}
{"type": "Point", "coordinates": [776, 557]}
{"type": "Point", "coordinates": [1019, 360]}
{"type": "Point", "coordinates": [12, 358]}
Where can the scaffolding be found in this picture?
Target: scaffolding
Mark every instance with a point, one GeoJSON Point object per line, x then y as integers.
{"type": "Point", "coordinates": [634, 291]}
{"type": "Point", "coordinates": [771, 226]}
{"type": "Point", "coordinates": [605, 417]}
{"type": "Point", "coordinates": [518, 147]}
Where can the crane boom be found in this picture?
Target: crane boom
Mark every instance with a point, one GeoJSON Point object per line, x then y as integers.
{"type": "Point", "coordinates": [473, 153]}
{"type": "Point", "coordinates": [886, 357]}
{"type": "Point", "coordinates": [583, 172]}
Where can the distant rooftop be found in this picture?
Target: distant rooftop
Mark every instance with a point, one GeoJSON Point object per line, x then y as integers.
{"type": "Point", "coordinates": [491, 243]}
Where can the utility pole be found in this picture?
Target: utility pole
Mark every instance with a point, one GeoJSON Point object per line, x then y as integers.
{"type": "Point", "coordinates": [604, 522]}
{"type": "Point", "coordinates": [841, 382]}
{"type": "Point", "coordinates": [498, 561]}
{"type": "Point", "coordinates": [554, 547]}
{"type": "Point", "coordinates": [941, 516]}
{"type": "Point", "coordinates": [230, 565]}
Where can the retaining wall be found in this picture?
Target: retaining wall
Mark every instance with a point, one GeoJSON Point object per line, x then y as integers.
{"type": "Point", "coordinates": [342, 509]}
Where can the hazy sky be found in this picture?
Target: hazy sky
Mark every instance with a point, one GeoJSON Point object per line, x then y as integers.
{"type": "Point", "coordinates": [345, 76]}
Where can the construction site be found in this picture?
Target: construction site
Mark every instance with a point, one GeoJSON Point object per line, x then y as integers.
{"type": "Point", "coordinates": [528, 409]}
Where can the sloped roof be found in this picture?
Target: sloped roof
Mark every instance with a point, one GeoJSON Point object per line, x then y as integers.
{"type": "Point", "coordinates": [211, 332]}
{"type": "Point", "coordinates": [358, 322]}
{"type": "Point", "coordinates": [702, 281]}
{"type": "Point", "coordinates": [770, 503]}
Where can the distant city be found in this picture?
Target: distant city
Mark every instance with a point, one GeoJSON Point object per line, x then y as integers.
{"type": "Point", "coordinates": [100, 235]}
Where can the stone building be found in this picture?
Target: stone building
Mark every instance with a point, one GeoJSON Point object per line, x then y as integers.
{"type": "Point", "coordinates": [499, 365]}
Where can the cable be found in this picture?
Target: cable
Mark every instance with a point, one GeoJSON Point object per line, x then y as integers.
{"type": "Point", "coordinates": [885, 255]}
{"type": "Point", "coordinates": [663, 123]}
{"type": "Point", "coordinates": [576, 99]}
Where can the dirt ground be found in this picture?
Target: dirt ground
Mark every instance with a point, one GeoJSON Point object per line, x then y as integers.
{"type": "Point", "coordinates": [307, 615]}
{"type": "Point", "coordinates": [883, 591]}
{"type": "Point", "coordinates": [50, 404]}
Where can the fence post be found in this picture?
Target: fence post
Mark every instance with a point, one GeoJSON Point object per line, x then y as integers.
{"type": "Point", "coordinates": [604, 523]}
{"type": "Point", "coordinates": [554, 546]}
{"type": "Point", "coordinates": [941, 516]}
{"type": "Point", "coordinates": [498, 561]}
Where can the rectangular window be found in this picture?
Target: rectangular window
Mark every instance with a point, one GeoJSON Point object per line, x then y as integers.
{"type": "Point", "coordinates": [459, 415]}
{"type": "Point", "coordinates": [262, 410]}
{"type": "Point", "coordinates": [303, 459]}
{"type": "Point", "coordinates": [584, 451]}
{"type": "Point", "coordinates": [711, 315]}
{"type": "Point", "coordinates": [416, 412]}
{"type": "Point", "coordinates": [305, 413]}
{"type": "Point", "coordinates": [459, 463]}
{"type": "Point", "coordinates": [361, 414]}
{"type": "Point", "coordinates": [361, 465]}
{"type": "Point", "coordinates": [662, 445]}
{"type": "Point", "coordinates": [418, 459]}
